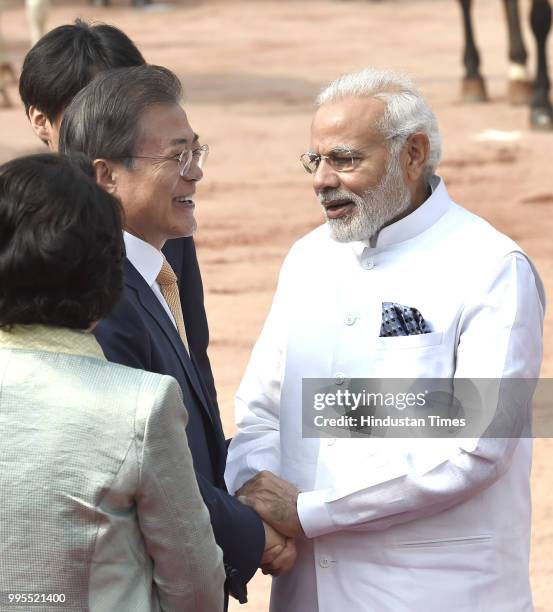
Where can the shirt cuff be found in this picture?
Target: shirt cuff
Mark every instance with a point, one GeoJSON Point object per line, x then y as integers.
{"type": "Point", "coordinates": [313, 513]}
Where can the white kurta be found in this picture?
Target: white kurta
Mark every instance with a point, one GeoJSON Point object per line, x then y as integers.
{"type": "Point", "coordinates": [397, 525]}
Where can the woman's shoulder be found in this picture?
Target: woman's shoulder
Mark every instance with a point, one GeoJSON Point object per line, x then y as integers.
{"type": "Point", "coordinates": [134, 383]}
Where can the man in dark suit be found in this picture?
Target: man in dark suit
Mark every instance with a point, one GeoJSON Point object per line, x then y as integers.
{"type": "Point", "coordinates": [131, 124]}
{"type": "Point", "coordinates": [58, 66]}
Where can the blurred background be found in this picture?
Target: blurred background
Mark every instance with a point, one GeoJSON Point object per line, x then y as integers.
{"type": "Point", "coordinates": [250, 70]}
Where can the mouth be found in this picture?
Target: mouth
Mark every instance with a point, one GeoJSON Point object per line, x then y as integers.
{"type": "Point", "coordinates": [335, 209]}
{"type": "Point", "coordinates": [184, 202]}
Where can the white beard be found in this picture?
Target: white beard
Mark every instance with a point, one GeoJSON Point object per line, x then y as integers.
{"type": "Point", "coordinates": [373, 210]}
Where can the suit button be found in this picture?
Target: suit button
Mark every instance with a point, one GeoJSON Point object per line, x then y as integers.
{"type": "Point", "coordinates": [350, 319]}
{"type": "Point", "coordinates": [339, 378]}
{"type": "Point", "coordinates": [324, 562]}
{"type": "Point", "coordinates": [369, 264]}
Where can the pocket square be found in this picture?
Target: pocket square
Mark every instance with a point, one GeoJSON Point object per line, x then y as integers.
{"type": "Point", "coordinates": [399, 320]}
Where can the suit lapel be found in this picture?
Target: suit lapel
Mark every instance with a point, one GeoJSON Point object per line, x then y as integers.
{"type": "Point", "coordinates": [152, 305]}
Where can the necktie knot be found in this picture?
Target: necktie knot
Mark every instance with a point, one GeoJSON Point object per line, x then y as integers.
{"type": "Point", "coordinates": [166, 276]}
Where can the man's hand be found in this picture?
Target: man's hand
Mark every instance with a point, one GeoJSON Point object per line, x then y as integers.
{"type": "Point", "coordinates": [275, 500]}
{"type": "Point", "coordinates": [283, 562]}
{"type": "Point", "coordinates": [275, 543]}
{"type": "Point", "coordinates": [279, 554]}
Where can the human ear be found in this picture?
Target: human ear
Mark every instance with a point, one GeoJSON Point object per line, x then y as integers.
{"type": "Point", "coordinates": [105, 175]}
{"type": "Point", "coordinates": [416, 149]}
{"type": "Point", "coordinates": [41, 126]}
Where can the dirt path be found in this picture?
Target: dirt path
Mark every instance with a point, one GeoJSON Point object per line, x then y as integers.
{"type": "Point", "coordinates": [251, 70]}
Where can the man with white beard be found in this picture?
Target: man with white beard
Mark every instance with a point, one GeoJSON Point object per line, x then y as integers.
{"type": "Point", "coordinates": [400, 282]}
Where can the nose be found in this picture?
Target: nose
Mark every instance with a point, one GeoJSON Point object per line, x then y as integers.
{"type": "Point", "coordinates": [325, 177]}
{"type": "Point", "coordinates": [194, 173]}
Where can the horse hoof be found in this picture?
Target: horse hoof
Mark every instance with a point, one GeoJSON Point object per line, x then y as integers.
{"type": "Point", "coordinates": [519, 92]}
{"type": "Point", "coordinates": [541, 118]}
{"type": "Point", "coordinates": [473, 90]}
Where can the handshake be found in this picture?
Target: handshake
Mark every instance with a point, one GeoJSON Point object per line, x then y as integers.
{"type": "Point", "coordinates": [275, 500]}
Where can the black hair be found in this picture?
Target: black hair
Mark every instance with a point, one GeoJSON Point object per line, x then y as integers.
{"type": "Point", "coordinates": [67, 58]}
{"type": "Point", "coordinates": [61, 243]}
{"type": "Point", "coordinates": [103, 120]}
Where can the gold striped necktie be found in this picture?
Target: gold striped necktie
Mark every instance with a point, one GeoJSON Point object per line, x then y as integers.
{"type": "Point", "coordinates": [170, 290]}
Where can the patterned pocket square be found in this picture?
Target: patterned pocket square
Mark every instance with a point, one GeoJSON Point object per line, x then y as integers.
{"type": "Point", "coordinates": [399, 320]}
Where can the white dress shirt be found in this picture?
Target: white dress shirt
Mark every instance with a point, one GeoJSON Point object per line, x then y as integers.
{"type": "Point", "coordinates": [148, 261]}
{"type": "Point", "coordinates": [397, 525]}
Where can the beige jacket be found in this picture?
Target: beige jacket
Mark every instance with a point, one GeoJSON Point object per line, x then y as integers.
{"type": "Point", "coordinates": [99, 501]}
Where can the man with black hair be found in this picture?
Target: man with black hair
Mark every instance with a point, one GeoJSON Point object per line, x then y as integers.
{"type": "Point", "coordinates": [130, 122]}
{"type": "Point", "coordinates": [54, 71]}
{"type": "Point", "coordinates": [60, 64]}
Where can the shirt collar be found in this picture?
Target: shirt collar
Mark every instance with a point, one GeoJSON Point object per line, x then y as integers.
{"type": "Point", "coordinates": [144, 257]}
{"type": "Point", "coordinates": [413, 224]}
{"type": "Point", "coordinates": [51, 340]}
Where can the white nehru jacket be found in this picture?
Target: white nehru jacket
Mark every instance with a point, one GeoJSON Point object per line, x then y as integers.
{"type": "Point", "coordinates": [397, 525]}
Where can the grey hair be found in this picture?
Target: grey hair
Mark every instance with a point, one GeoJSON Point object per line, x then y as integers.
{"type": "Point", "coordinates": [406, 110]}
{"type": "Point", "coordinates": [103, 119]}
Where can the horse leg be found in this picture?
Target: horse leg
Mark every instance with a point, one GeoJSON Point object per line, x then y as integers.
{"type": "Point", "coordinates": [520, 87]}
{"type": "Point", "coordinates": [37, 12]}
{"type": "Point", "coordinates": [541, 112]}
{"type": "Point", "coordinates": [473, 88]}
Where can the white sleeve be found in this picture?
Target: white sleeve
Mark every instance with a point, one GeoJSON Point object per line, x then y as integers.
{"type": "Point", "coordinates": [256, 446]}
{"type": "Point", "coordinates": [187, 563]}
{"type": "Point", "coordinates": [500, 336]}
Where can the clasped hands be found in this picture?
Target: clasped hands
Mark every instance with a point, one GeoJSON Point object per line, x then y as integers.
{"type": "Point", "coordinates": [275, 500]}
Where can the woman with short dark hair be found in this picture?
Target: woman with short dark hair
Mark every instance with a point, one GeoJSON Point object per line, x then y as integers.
{"type": "Point", "coordinates": [100, 509]}
{"type": "Point", "coordinates": [61, 245]}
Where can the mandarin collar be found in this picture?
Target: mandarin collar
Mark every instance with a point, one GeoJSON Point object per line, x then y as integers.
{"type": "Point", "coordinates": [45, 338]}
{"type": "Point", "coordinates": [413, 224]}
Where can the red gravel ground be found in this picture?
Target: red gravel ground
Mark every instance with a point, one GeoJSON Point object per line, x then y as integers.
{"type": "Point", "coordinates": [251, 70]}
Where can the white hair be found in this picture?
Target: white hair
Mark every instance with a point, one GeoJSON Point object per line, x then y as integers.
{"type": "Point", "coordinates": [406, 110]}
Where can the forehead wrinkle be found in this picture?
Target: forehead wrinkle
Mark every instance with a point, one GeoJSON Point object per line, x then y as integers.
{"type": "Point", "coordinates": [351, 119]}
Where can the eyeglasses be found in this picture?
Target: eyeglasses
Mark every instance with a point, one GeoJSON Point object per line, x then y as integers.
{"type": "Point", "coordinates": [341, 162]}
{"type": "Point", "coordinates": [184, 159]}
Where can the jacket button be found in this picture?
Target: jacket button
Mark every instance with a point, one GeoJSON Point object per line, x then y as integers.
{"type": "Point", "coordinates": [350, 319]}
{"type": "Point", "coordinates": [324, 562]}
{"type": "Point", "coordinates": [339, 378]}
{"type": "Point", "coordinates": [369, 264]}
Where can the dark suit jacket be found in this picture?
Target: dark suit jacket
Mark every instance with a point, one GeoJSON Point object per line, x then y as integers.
{"type": "Point", "coordinates": [139, 334]}
{"type": "Point", "coordinates": [181, 254]}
